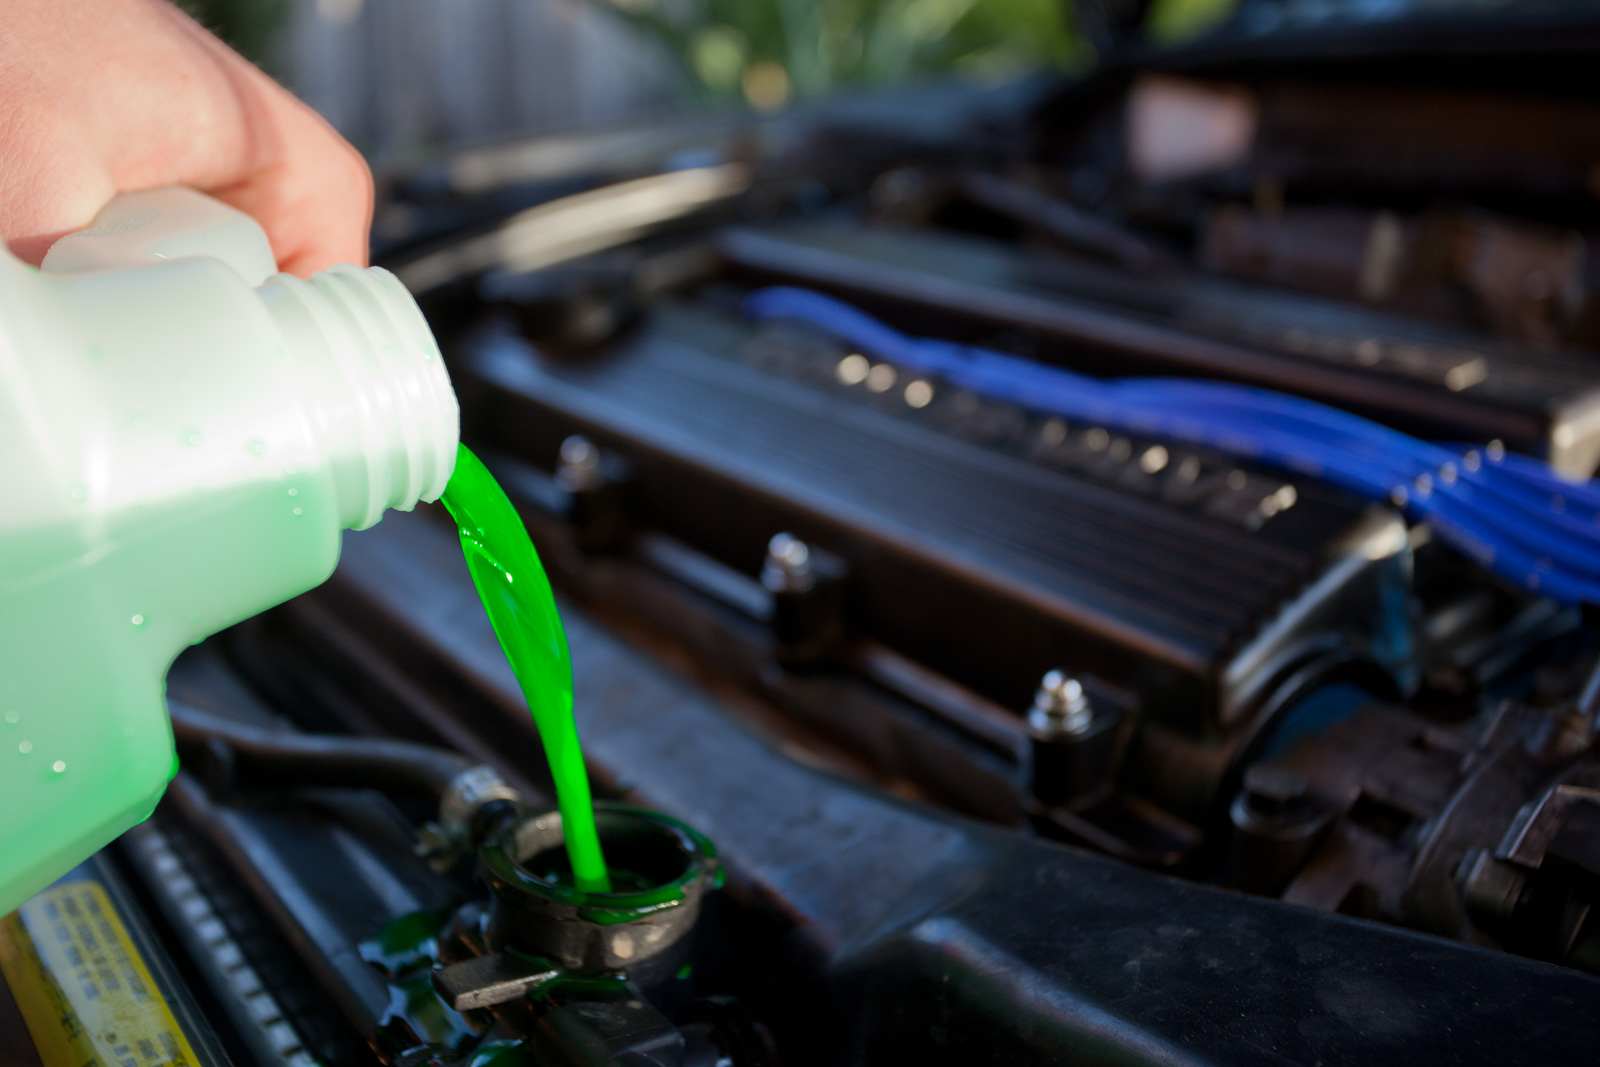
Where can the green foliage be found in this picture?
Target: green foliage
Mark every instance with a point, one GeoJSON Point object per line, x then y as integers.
{"type": "Point", "coordinates": [250, 27]}
{"type": "Point", "coordinates": [1174, 21]}
{"type": "Point", "coordinates": [767, 51]}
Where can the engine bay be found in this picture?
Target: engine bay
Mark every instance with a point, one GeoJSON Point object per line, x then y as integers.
{"type": "Point", "coordinates": [962, 730]}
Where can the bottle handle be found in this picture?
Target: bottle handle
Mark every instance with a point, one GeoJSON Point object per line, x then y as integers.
{"type": "Point", "coordinates": [138, 229]}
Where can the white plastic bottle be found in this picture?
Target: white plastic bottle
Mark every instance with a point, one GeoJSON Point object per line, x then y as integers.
{"type": "Point", "coordinates": [182, 439]}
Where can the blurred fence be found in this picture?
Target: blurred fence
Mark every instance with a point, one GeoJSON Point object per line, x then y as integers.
{"type": "Point", "coordinates": [400, 77]}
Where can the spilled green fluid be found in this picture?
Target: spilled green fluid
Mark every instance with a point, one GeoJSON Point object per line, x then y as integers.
{"type": "Point", "coordinates": [516, 594]}
{"type": "Point", "coordinates": [405, 944]}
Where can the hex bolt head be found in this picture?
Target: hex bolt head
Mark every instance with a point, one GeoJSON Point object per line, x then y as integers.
{"type": "Point", "coordinates": [1061, 705]}
{"type": "Point", "coordinates": [579, 468]}
{"type": "Point", "coordinates": [1490, 887]}
{"type": "Point", "coordinates": [1273, 789]}
{"type": "Point", "coordinates": [788, 565]}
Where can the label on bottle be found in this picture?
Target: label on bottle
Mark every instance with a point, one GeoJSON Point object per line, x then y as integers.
{"type": "Point", "coordinates": [83, 989]}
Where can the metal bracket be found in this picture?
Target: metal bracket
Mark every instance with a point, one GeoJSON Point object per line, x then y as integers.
{"type": "Point", "coordinates": [491, 979]}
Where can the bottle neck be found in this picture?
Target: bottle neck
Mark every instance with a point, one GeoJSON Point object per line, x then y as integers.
{"type": "Point", "coordinates": [374, 384]}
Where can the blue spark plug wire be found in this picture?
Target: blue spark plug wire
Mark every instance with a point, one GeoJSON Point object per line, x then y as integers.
{"type": "Point", "coordinates": [1510, 513]}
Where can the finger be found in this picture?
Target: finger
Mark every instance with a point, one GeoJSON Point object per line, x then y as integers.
{"type": "Point", "coordinates": [99, 97]}
{"type": "Point", "coordinates": [284, 165]}
{"type": "Point", "coordinates": [315, 203]}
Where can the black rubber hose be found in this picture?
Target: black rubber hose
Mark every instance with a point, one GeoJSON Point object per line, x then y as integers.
{"type": "Point", "coordinates": [272, 759]}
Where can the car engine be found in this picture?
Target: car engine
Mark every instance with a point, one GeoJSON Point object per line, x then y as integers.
{"type": "Point", "coordinates": [967, 731]}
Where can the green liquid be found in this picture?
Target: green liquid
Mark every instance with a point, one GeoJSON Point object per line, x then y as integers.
{"type": "Point", "coordinates": [516, 594]}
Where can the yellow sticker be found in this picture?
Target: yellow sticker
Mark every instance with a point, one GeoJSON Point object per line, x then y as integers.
{"type": "Point", "coordinates": [85, 993]}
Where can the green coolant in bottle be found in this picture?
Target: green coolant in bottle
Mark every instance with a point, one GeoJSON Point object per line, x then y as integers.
{"type": "Point", "coordinates": [516, 594]}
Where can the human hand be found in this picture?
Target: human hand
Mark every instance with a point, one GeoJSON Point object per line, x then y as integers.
{"type": "Point", "coordinates": [100, 97]}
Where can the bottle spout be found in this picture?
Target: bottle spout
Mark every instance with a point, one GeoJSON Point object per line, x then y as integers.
{"type": "Point", "coordinates": [375, 387]}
